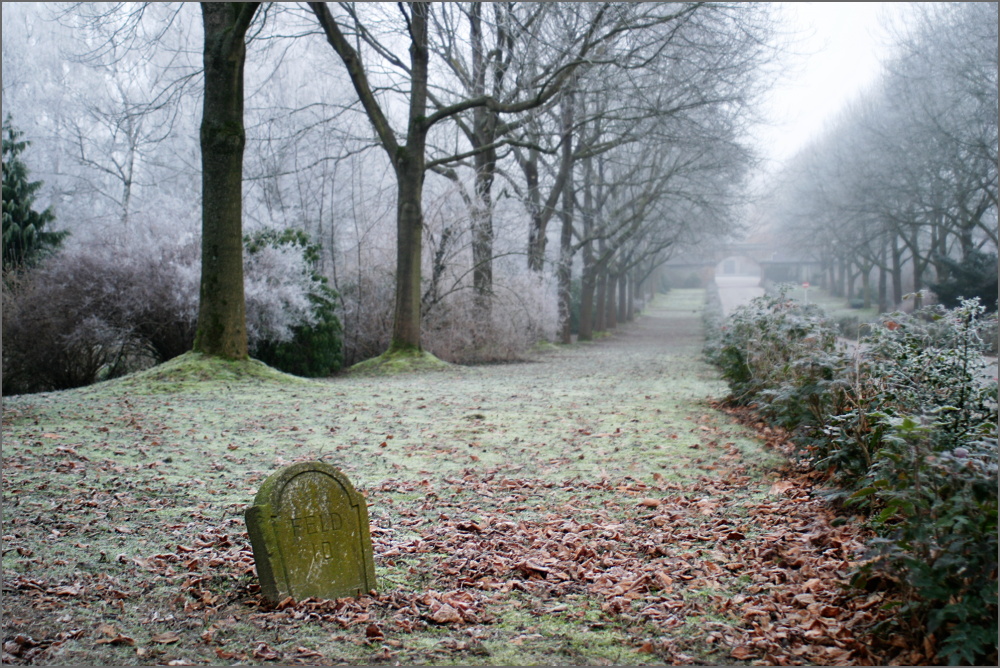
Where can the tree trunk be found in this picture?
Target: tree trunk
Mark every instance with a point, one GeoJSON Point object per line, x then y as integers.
{"type": "Point", "coordinates": [911, 242]}
{"type": "Point", "coordinates": [563, 275]}
{"type": "Point", "coordinates": [588, 280]}
{"type": "Point", "coordinates": [409, 163]}
{"type": "Point", "coordinates": [610, 305]}
{"type": "Point", "coordinates": [883, 279]}
{"type": "Point", "coordinates": [939, 248]}
{"type": "Point", "coordinates": [842, 278]}
{"type": "Point", "coordinates": [537, 222]}
{"type": "Point", "coordinates": [600, 308]}
{"type": "Point", "coordinates": [222, 306]}
{"type": "Point", "coordinates": [485, 162]}
{"type": "Point", "coordinates": [409, 245]}
{"type": "Point", "coordinates": [588, 287]}
{"type": "Point", "coordinates": [482, 229]}
{"type": "Point", "coordinates": [622, 297]}
{"type": "Point", "coordinates": [566, 214]}
{"type": "Point", "coordinates": [866, 285]}
{"type": "Point", "coordinates": [897, 272]}
{"type": "Point", "coordinates": [630, 310]}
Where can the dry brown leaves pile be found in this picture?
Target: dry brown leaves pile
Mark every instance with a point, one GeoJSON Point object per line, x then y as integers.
{"type": "Point", "coordinates": [763, 579]}
{"type": "Point", "coordinates": [680, 540]}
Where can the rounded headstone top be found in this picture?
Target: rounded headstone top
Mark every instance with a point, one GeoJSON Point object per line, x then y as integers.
{"type": "Point", "coordinates": [270, 490]}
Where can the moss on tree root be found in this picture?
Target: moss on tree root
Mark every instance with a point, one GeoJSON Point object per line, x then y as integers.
{"type": "Point", "coordinates": [199, 372]}
{"type": "Point", "coordinates": [399, 361]}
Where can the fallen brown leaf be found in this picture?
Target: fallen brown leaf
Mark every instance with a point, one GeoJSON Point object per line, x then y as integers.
{"type": "Point", "coordinates": [263, 652]}
{"type": "Point", "coordinates": [445, 614]}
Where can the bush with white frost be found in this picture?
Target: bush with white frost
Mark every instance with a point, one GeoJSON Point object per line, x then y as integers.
{"type": "Point", "coordinates": [277, 284]}
{"type": "Point", "coordinates": [522, 312]}
{"type": "Point", "coordinates": [100, 311]}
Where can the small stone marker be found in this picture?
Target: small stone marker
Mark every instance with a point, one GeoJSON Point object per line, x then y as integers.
{"type": "Point", "coordinates": [309, 532]}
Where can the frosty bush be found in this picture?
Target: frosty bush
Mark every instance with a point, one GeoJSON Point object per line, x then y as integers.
{"type": "Point", "coordinates": [277, 285]}
{"type": "Point", "coordinates": [291, 319]}
{"type": "Point", "coordinates": [100, 311]}
{"type": "Point", "coordinates": [66, 324]}
{"type": "Point", "coordinates": [523, 312]}
{"type": "Point", "coordinates": [910, 429]}
{"type": "Point", "coordinates": [770, 343]}
{"type": "Point", "coordinates": [454, 328]}
{"type": "Point", "coordinates": [366, 308]}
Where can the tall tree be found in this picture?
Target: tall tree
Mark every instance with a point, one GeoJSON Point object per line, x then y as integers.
{"type": "Point", "coordinates": [908, 172]}
{"type": "Point", "coordinates": [222, 310]}
{"type": "Point", "coordinates": [407, 150]}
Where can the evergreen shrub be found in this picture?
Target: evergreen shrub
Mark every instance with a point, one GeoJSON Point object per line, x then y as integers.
{"type": "Point", "coordinates": [909, 427]}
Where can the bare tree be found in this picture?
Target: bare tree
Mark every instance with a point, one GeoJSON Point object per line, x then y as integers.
{"type": "Point", "coordinates": [907, 175]}
{"type": "Point", "coordinates": [222, 309]}
{"type": "Point", "coordinates": [407, 150]}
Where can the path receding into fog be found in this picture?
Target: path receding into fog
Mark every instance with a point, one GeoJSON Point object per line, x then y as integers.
{"type": "Point", "coordinates": [735, 291]}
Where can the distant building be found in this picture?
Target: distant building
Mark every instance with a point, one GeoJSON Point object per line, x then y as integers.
{"type": "Point", "coordinates": [758, 257]}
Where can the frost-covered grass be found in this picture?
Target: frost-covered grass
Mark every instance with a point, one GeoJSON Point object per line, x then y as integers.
{"type": "Point", "coordinates": [834, 307]}
{"type": "Point", "coordinates": [98, 478]}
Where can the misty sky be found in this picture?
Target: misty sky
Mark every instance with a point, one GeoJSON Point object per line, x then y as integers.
{"type": "Point", "coordinates": [834, 53]}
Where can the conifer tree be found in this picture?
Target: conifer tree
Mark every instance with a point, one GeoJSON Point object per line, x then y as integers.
{"type": "Point", "coordinates": [25, 239]}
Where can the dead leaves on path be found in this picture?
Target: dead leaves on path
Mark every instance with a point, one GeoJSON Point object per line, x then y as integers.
{"type": "Point", "coordinates": [677, 560]}
{"type": "Point", "coordinates": [763, 580]}
{"type": "Point", "coordinates": [774, 570]}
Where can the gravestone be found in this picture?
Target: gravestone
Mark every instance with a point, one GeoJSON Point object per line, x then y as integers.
{"type": "Point", "coordinates": [309, 532]}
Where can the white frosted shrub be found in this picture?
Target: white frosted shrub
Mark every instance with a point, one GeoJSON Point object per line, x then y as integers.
{"type": "Point", "coordinates": [277, 283]}
{"type": "Point", "coordinates": [104, 309]}
{"type": "Point", "coordinates": [367, 306]}
{"type": "Point", "coordinates": [523, 312]}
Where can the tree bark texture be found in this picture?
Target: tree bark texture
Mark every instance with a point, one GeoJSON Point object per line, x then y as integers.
{"type": "Point", "coordinates": [588, 280]}
{"type": "Point", "coordinates": [409, 163]}
{"type": "Point", "coordinates": [600, 318]}
{"type": "Point", "coordinates": [537, 223]}
{"type": "Point", "coordinates": [623, 297]}
{"type": "Point", "coordinates": [409, 231]}
{"type": "Point", "coordinates": [883, 280]}
{"type": "Point", "coordinates": [564, 272]}
{"type": "Point", "coordinates": [866, 284]}
{"type": "Point", "coordinates": [630, 310]}
{"type": "Point", "coordinates": [610, 303]}
{"type": "Point", "coordinates": [222, 309]}
{"type": "Point", "coordinates": [484, 134]}
{"type": "Point", "coordinates": [897, 273]}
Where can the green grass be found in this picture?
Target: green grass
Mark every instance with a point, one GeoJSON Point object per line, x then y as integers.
{"type": "Point", "coordinates": [98, 481]}
{"type": "Point", "coordinates": [396, 362]}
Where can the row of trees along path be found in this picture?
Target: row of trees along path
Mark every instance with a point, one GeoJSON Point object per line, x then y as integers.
{"type": "Point", "coordinates": [494, 107]}
{"type": "Point", "coordinates": [587, 506]}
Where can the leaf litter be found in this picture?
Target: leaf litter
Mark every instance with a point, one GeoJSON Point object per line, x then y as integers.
{"type": "Point", "coordinates": [588, 507]}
